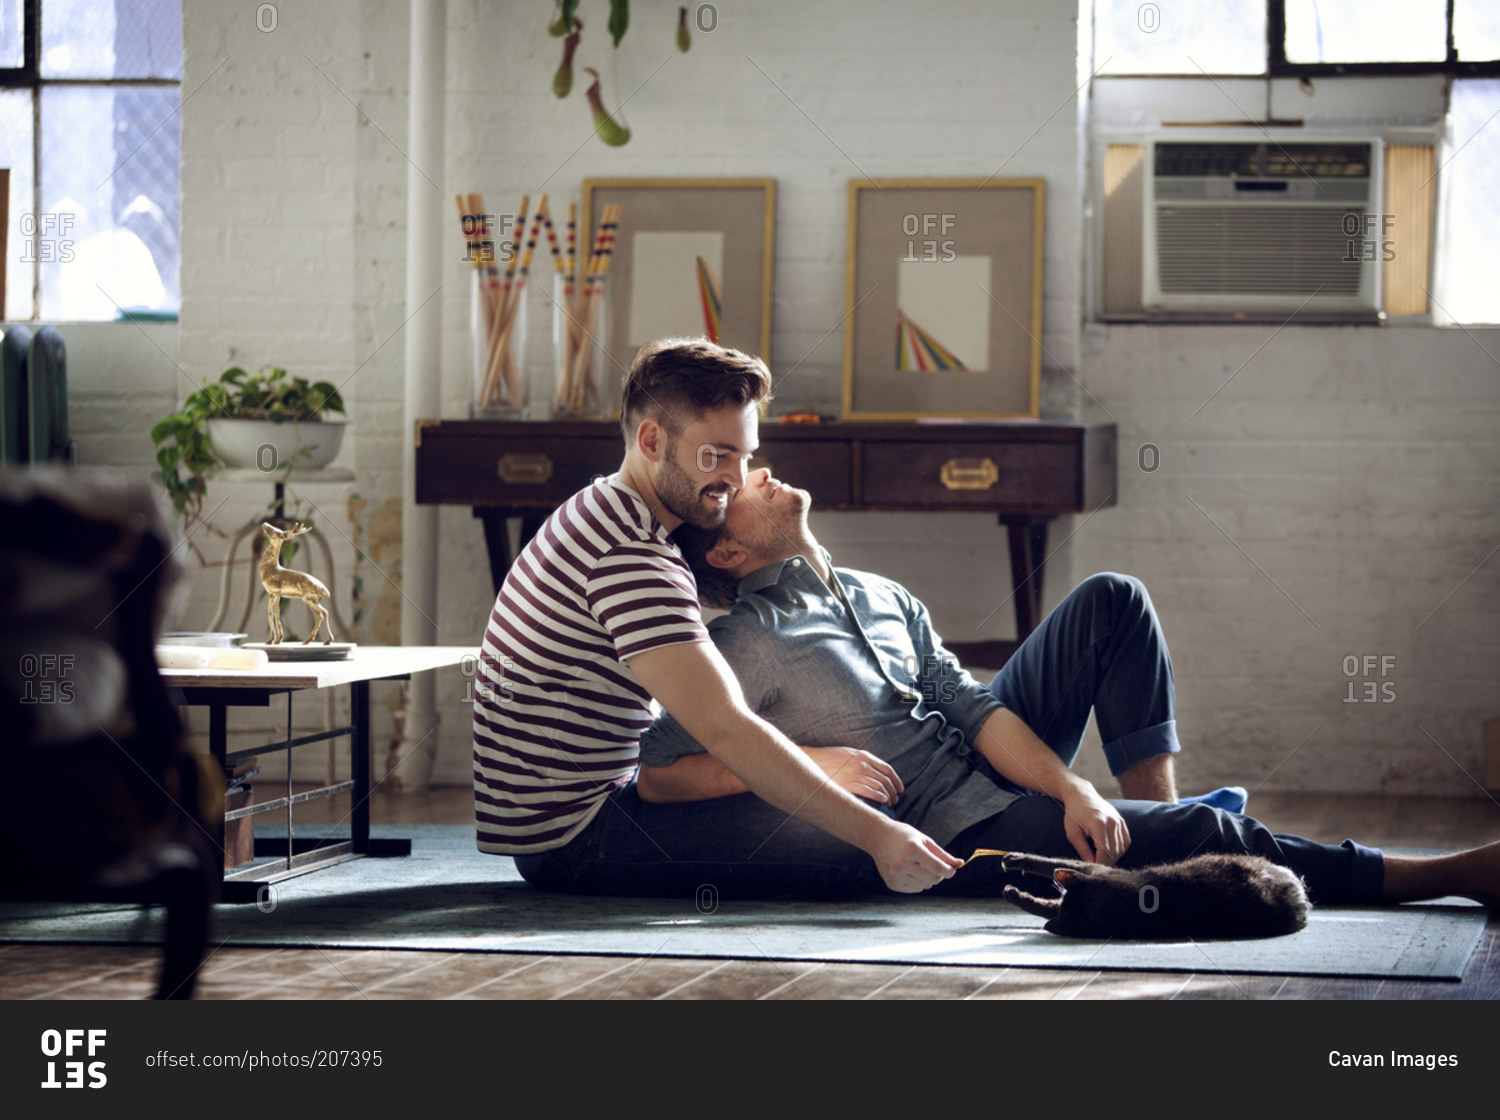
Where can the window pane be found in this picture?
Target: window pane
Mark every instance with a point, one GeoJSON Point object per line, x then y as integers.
{"type": "Point", "coordinates": [109, 168]}
{"type": "Point", "coordinates": [112, 39]}
{"type": "Point", "coordinates": [1470, 293]}
{"type": "Point", "coordinates": [12, 48]}
{"type": "Point", "coordinates": [21, 248]}
{"type": "Point", "coordinates": [1476, 30]}
{"type": "Point", "coordinates": [1366, 30]}
{"type": "Point", "coordinates": [1227, 37]}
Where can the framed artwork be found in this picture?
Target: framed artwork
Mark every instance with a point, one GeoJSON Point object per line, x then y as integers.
{"type": "Point", "coordinates": [943, 299]}
{"type": "Point", "coordinates": [691, 258]}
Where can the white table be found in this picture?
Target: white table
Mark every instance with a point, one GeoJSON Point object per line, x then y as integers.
{"type": "Point", "coordinates": [221, 689]}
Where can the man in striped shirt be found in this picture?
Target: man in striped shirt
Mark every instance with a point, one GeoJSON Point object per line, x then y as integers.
{"type": "Point", "coordinates": [597, 617]}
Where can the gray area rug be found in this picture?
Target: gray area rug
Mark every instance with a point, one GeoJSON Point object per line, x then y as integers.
{"type": "Point", "coordinates": [449, 896]}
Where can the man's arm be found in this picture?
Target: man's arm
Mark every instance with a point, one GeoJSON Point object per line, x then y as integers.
{"type": "Point", "coordinates": [1093, 826]}
{"type": "Point", "coordinates": [694, 682]}
{"type": "Point", "coordinates": [702, 777]}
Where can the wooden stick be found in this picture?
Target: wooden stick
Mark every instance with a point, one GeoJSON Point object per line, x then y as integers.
{"type": "Point", "coordinates": [512, 310]}
{"type": "Point", "coordinates": [598, 268]}
{"type": "Point", "coordinates": [490, 292]}
{"type": "Point", "coordinates": [492, 366]}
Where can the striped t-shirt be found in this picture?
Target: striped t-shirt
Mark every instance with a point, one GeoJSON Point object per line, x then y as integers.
{"type": "Point", "coordinates": [557, 713]}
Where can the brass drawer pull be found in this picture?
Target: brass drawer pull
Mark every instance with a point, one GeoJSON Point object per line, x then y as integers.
{"type": "Point", "coordinates": [969, 474]}
{"type": "Point", "coordinates": [525, 470]}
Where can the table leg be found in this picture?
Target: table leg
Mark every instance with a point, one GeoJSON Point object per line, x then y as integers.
{"type": "Point", "coordinates": [218, 745]}
{"type": "Point", "coordinates": [359, 763]}
{"type": "Point", "coordinates": [1028, 559]}
{"type": "Point", "coordinates": [359, 771]}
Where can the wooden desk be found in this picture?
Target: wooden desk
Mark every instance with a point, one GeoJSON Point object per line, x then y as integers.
{"type": "Point", "coordinates": [1024, 472]}
{"type": "Point", "coordinates": [222, 689]}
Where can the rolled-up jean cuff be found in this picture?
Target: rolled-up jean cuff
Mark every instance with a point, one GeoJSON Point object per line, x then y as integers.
{"type": "Point", "coordinates": [1148, 742]}
{"type": "Point", "coordinates": [1366, 873]}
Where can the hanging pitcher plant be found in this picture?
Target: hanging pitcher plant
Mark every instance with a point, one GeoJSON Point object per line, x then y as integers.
{"type": "Point", "coordinates": [609, 127]}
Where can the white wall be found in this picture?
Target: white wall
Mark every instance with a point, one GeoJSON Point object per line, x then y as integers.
{"type": "Point", "coordinates": [1354, 466]}
{"type": "Point", "coordinates": [1347, 481]}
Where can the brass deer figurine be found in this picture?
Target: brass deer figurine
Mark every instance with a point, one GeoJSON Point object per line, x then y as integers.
{"type": "Point", "coordinates": [283, 583]}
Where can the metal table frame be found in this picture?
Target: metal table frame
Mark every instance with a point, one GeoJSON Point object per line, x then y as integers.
{"type": "Point", "coordinates": [294, 855]}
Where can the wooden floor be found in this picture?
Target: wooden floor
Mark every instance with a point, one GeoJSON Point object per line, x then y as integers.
{"type": "Point", "coordinates": [118, 972]}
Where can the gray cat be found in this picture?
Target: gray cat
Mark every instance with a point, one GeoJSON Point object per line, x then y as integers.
{"type": "Point", "coordinates": [1205, 897]}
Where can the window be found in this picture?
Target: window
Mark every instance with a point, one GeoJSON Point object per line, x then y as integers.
{"type": "Point", "coordinates": [1252, 67]}
{"type": "Point", "coordinates": [89, 129]}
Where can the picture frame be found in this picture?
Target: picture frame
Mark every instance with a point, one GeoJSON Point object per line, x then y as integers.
{"type": "Point", "coordinates": [943, 299]}
{"type": "Point", "coordinates": [691, 257]}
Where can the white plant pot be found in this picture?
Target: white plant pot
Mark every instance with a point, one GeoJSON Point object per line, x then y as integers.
{"type": "Point", "coordinates": [266, 446]}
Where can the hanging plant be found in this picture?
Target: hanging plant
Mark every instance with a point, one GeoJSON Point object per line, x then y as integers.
{"type": "Point", "coordinates": [610, 128]}
{"type": "Point", "coordinates": [562, 81]}
{"type": "Point", "coordinates": [611, 131]}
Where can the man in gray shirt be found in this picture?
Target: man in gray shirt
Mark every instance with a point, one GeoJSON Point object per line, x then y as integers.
{"type": "Point", "coordinates": [848, 666]}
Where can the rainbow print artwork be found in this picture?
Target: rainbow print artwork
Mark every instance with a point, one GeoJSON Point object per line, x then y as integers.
{"type": "Point", "coordinates": [708, 293]}
{"type": "Point", "coordinates": [916, 349]}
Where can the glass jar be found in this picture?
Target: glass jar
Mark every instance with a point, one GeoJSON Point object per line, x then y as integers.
{"type": "Point", "coordinates": [580, 347]}
{"type": "Point", "coordinates": [498, 348]}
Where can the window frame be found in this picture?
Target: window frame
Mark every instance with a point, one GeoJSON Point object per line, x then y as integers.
{"type": "Point", "coordinates": [1277, 65]}
{"type": "Point", "coordinates": [28, 76]}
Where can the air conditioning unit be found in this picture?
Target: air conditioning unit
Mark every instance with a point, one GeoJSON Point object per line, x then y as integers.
{"type": "Point", "coordinates": [1221, 228]}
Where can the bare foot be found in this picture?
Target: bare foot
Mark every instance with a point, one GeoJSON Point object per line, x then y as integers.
{"type": "Point", "coordinates": [1471, 874]}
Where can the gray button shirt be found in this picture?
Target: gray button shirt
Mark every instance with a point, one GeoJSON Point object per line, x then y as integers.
{"type": "Point", "coordinates": [860, 666]}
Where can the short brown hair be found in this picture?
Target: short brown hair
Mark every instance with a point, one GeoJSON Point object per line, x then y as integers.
{"type": "Point", "coordinates": [672, 379]}
{"type": "Point", "coordinates": [716, 588]}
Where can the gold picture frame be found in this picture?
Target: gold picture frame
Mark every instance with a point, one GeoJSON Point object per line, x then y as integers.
{"type": "Point", "coordinates": [943, 299]}
{"type": "Point", "coordinates": [666, 222]}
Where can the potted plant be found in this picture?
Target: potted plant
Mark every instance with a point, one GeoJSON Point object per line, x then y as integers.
{"type": "Point", "coordinates": [267, 421]}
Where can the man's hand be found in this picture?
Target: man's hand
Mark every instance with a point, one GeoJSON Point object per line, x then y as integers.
{"type": "Point", "coordinates": [860, 772]}
{"type": "Point", "coordinates": [1093, 826]}
{"type": "Point", "coordinates": [910, 861]}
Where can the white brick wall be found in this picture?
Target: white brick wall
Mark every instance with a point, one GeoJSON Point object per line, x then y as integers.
{"type": "Point", "coordinates": [1357, 467]}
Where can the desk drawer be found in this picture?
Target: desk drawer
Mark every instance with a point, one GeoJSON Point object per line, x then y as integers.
{"type": "Point", "coordinates": [999, 476]}
{"type": "Point", "coordinates": [519, 472]}
{"type": "Point", "coordinates": [822, 468]}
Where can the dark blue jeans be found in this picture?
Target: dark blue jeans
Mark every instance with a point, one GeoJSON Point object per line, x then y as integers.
{"type": "Point", "coordinates": [1100, 650]}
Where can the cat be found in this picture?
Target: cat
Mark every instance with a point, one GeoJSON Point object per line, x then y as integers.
{"type": "Point", "coordinates": [1205, 897]}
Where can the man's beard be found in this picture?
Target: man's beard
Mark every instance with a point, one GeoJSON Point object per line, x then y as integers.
{"type": "Point", "coordinates": [684, 500]}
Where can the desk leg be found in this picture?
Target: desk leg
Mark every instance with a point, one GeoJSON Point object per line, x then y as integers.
{"type": "Point", "coordinates": [1028, 559]}
{"type": "Point", "coordinates": [497, 535]}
